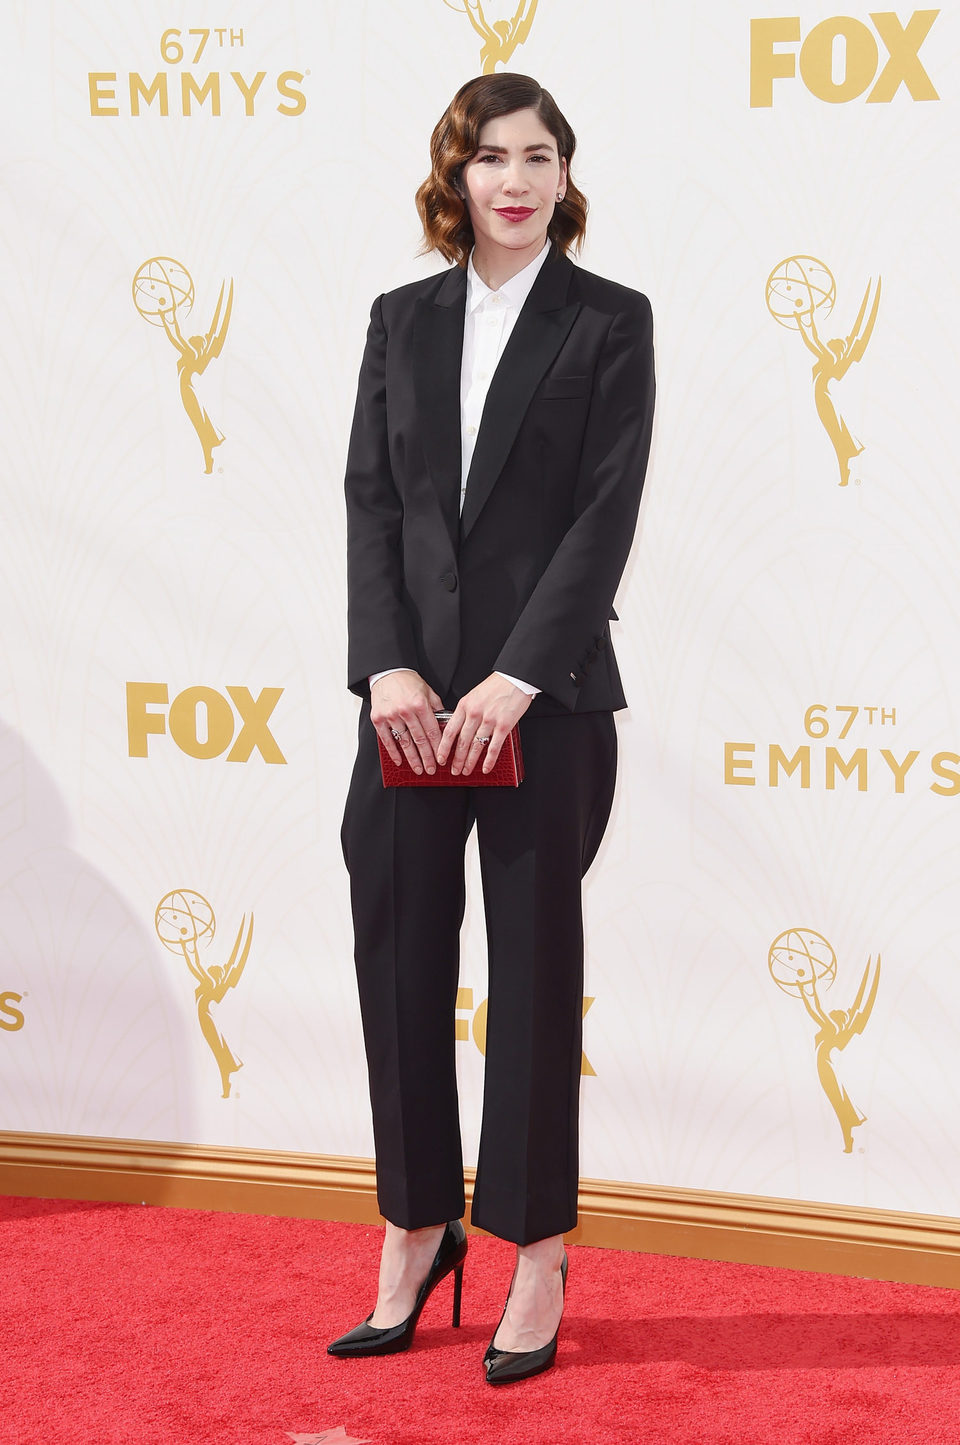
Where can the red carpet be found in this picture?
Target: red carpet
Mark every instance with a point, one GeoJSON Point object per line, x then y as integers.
{"type": "Point", "coordinates": [131, 1326]}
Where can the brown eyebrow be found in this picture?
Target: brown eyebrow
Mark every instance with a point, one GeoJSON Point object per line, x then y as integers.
{"type": "Point", "coordinates": [543, 145]}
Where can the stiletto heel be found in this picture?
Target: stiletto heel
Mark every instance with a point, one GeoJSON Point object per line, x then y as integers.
{"type": "Point", "coordinates": [503, 1367]}
{"type": "Point", "coordinates": [457, 1292]}
{"type": "Point", "coordinates": [367, 1339]}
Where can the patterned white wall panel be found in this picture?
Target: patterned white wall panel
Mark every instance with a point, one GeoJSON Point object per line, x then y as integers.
{"type": "Point", "coordinates": [771, 618]}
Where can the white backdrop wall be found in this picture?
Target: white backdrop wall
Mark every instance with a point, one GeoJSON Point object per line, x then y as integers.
{"type": "Point", "coordinates": [766, 609]}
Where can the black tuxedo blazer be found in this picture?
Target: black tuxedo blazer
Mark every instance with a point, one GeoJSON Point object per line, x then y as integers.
{"type": "Point", "coordinates": [523, 581]}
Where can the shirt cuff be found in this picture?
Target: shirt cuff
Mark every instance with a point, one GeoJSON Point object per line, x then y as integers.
{"type": "Point", "coordinates": [523, 686]}
{"type": "Point", "coordinates": [376, 676]}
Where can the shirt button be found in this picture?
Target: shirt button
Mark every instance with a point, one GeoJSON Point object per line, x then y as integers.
{"type": "Point", "coordinates": [471, 431]}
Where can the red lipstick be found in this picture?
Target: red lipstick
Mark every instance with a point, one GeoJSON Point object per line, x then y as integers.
{"type": "Point", "coordinates": [514, 213]}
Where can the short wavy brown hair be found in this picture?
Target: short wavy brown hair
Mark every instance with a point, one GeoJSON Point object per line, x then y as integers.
{"type": "Point", "coordinates": [447, 227]}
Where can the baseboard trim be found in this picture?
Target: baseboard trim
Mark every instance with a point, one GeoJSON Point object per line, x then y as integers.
{"type": "Point", "coordinates": [748, 1229]}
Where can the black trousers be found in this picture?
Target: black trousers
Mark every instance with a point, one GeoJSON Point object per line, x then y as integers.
{"type": "Point", "coordinates": [404, 848]}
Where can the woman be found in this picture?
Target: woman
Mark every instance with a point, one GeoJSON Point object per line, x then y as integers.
{"type": "Point", "coordinates": [493, 481]}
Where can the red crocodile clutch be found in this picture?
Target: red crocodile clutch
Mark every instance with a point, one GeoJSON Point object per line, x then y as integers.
{"type": "Point", "coordinates": [507, 773]}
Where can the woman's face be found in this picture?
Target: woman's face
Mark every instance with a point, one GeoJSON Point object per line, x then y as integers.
{"type": "Point", "coordinates": [512, 182]}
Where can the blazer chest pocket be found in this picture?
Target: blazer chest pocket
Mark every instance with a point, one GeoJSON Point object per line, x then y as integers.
{"type": "Point", "coordinates": [562, 388]}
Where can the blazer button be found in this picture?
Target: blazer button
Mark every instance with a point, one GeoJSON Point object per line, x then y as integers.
{"type": "Point", "coordinates": [449, 580]}
{"type": "Point", "coordinates": [601, 643]}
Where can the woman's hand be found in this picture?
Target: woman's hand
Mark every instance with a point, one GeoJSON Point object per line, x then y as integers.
{"type": "Point", "coordinates": [402, 708]}
{"type": "Point", "coordinates": [481, 723]}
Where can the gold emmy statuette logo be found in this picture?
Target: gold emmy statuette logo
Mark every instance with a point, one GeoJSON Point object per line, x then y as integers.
{"type": "Point", "coordinates": [500, 37]}
{"type": "Point", "coordinates": [797, 290]}
{"type": "Point", "coordinates": [802, 963]}
{"type": "Point", "coordinates": [163, 294]}
{"type": "Point", "coordinates": [184, 921]}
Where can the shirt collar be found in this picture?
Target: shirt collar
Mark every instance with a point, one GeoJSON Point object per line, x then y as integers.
{"type": "Point", "coordinates": [514, 292]}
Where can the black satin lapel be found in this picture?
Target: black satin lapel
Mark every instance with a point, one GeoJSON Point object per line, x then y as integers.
{"type": "Point", "coordinates": [533, 344]}
{"type": "Point", "coordinates": [437, 351]}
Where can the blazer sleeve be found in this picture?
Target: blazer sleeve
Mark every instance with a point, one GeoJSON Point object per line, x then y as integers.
{"type": "Point", "coordinates": [564, 620]}
{"type": "Point", "coordinates": [378, 624]}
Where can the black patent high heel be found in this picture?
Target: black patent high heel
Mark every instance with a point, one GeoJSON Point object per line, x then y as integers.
{"type": "Point", "coordinates": [367, 1339]}
{"type": "Point", "coordinates": [503, 1367]}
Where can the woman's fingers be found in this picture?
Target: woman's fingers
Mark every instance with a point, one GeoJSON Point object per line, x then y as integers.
{"type": "Point", "coordinates": [473, 741]}
{"type": "Point", "coordinates": [475, 733]}
{"type": "Point", "coordinates": [417, 735]}
{"type": "Point", "coordinates": [402, 708]}
{"type": "Point", "coordinates": [460, 746]}
{"type": "Point", "coordinates": [493, 748]}
{"type": "Point", "coordinates": [451, 734]}
{"type": "Point", "coordinates": [411, 740]}
{"type": "Point", "coordinates": [423, 731]}
{"type": "Point", "coordinates": [476, 754]}
{"type": "Point", "coordinates": [389, 742]}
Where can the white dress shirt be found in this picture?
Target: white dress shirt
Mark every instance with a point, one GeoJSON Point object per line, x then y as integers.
{"type": "Point", "coordinates": [488, 322]}
{"type": "Point", "coordinates": [489, 318]}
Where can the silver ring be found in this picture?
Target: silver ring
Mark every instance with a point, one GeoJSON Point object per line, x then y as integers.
{"type": "Point", "coordinates": [394, 732]}
{"type": "Point", "coordinates": [482, 741]}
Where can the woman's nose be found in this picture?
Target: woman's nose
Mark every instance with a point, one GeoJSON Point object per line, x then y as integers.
{"type": "Point", "coordinates": [514, 180]}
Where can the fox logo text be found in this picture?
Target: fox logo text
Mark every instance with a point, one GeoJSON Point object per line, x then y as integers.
{"type": "Point", "coordinates": [202, 722]}
{"type": "Point", "coordinates": [840, 58]}
{"type": "Point", "coordinates": [11, 1018]}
